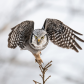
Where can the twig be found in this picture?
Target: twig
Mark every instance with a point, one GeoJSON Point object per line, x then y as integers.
{"type": "Point", "coordinates": [36, 82]}
{"type": "Point", "coordinates": [47, 78]}
{"type": "Point", "coordinates": [43, 70]}
{"type": "Point", "coordinates": [47, 64]}
{"type": "Point", "coordinates": [40, 75]}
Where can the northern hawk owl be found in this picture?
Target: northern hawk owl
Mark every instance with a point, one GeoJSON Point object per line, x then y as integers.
{"type": "Point", "coordinates": [24, 36]}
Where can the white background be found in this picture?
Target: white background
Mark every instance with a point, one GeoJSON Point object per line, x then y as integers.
{"type": "Point", "coordinates": [18, 66]}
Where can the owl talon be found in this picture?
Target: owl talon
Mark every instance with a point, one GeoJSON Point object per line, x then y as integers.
{"type": "Point", "coordinates": [39, 61]}
{"type": "Point", "coordinates": [35, 60]}
{"type": "Point", "coordinates": [40, 53]}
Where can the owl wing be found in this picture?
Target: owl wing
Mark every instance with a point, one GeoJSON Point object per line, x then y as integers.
{"type": "Point", "coordinates": [62, 35]}
{"type": "Point", "coordinates": [20, 34]}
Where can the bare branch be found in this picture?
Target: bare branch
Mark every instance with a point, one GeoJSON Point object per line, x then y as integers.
{"type": "Point", "coordinates": [36, 82]}
{"type": "Point", "coordinates": [47, 64]}
{"type": "Point", "coordinates": [41, 76]}
{"type": "Point", "coordinates": [43, 70]}
{"type": "Point", "coordinates": [46, 70]}
{"type": "Point", "coordinates": [47, 78]}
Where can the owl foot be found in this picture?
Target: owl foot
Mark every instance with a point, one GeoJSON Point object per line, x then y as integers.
{"type": "Point", "coordinates": [38, 58]}
{"type": "Point", "coordinates": [39, 61]}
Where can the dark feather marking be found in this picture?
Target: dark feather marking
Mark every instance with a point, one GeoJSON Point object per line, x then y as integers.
{"type": "Point", "coordinates": [78, 38]}
{"type": "Point", "coordinates": [75, 31]}
{"type": "Point", "coordinates": [20, 34]}
{"type": "Point", "coordinates": [74, 48]}
{"type": "Point", "coordinates": [63, 35]}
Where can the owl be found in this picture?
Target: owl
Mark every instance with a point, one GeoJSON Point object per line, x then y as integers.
{"type": "Point", "coordinates": [24, 36]}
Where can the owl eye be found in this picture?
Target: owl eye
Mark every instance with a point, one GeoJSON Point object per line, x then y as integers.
{"type": "Point", "coordinates": [42, 37]}
{"type": "Point", "coordinates": [36, 37]}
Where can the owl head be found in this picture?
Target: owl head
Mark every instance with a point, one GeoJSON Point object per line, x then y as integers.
{"type": "Point", "coordinates": [39, 39]}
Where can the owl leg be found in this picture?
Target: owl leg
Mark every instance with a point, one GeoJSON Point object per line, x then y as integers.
{"type": "Point", "coordinates": [38, 58]}
{"type": "Point", "coordinates": [40, 53]}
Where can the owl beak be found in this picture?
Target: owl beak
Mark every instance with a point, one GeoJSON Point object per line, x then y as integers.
{"type": "Point", "coordinates": [38, 40]}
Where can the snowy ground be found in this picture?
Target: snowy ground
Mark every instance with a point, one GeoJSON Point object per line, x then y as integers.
{"type": "Point", "coordinates": [19, 67]}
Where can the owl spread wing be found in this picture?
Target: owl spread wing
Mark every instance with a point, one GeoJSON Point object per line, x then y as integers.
{"type": "Point", "coordinates": [20, 34]}
{"type": "Point", "coordinates": [62, 35]}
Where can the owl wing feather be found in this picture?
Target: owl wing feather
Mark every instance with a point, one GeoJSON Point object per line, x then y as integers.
{"type": "Point", "coordinates": [62, 35]}
{"type": "Point", "coordinates": [20, 34]}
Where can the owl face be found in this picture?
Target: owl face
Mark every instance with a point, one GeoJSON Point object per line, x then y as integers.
{"type": "Point", "coordinates": [39, 39]}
